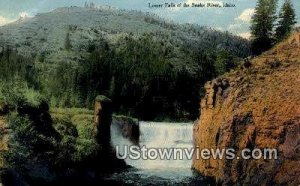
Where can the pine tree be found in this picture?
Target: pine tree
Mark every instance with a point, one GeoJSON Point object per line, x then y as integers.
{"type": "Point", "coordinates": [262, 26]}
{"type": "Point", "coordinates": [68, 45]}
{"type": "Point", "coordinates": [92, 5]}
{"type": "Point", "coordinates": [287, 19]}
{"type": "Point", "coordinates": [86, 5]}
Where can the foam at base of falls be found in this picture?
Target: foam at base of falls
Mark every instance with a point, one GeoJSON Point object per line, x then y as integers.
{"type": "Point", "coordinates": [158, 135]}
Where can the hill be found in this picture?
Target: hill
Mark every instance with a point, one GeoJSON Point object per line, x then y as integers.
{"type": "Point", "coordinates": [254, 107]}
{"type": "Point", "coordinates": [139, 60]}
{"type": "Point", "coordinates": [46, 32]}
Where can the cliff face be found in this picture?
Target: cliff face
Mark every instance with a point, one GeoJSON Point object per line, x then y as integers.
{"type": "Point", "coordinates": [256, 106]}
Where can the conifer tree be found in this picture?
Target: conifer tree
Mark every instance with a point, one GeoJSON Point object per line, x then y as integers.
{"type": "Point", "coordinates": [262, 26]}
{"type": "Point", "coordinates": [86, 5]}
{"type": "Point", "coordinates": [287, 19]}
{"type": "Point", "coordinates": [68, 45]}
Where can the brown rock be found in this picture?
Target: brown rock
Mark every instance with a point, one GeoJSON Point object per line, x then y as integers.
{"type": "Point", "coordinates": [103, 118]}
{"type": "Point", "coordinates": [128, 128]}
{"type": "Point", "coordinates": [250, 113]}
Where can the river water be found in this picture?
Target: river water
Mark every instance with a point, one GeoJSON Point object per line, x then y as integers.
{"type": "Point", "coordinates": [149, 170]}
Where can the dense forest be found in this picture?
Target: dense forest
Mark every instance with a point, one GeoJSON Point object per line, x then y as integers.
{"type": "Point", "coordinates": [145, 77]}
{"type": "Point", "coordinates": [153, 74]}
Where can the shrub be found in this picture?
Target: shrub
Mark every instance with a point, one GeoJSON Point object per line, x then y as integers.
{"type": "Point", "coordinates": [22, 140]}
{"type": "Point", "coordinates": [75, 125]}
{"type": "Point", "coordinates": [18, 93]}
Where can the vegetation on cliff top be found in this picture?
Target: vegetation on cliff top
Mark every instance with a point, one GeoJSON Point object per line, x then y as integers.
{"type": "Point", "coordinates": [267, 28]}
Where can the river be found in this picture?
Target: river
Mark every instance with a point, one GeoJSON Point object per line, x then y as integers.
{"type": "Point", "coordinates": [149, 170]}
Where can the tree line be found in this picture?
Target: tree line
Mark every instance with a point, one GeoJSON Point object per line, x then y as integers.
{"type": "Point", "coordinates": [145, 76]}
{"type": "Point", "coordinates": [268, 28]}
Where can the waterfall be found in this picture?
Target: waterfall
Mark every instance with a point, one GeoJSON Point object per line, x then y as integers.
{"type": "Point", "coordinates": [158, 135]}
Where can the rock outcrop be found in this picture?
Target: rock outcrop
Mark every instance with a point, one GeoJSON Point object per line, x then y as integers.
{"type": "Point", "coordinates": [106, 160]}
{"type": "Point", "coordinates": [128, 127]}
{"type": "Point", "coordinates": [103, 119]}
{"type": "Point", "coordinates": [254, 107]}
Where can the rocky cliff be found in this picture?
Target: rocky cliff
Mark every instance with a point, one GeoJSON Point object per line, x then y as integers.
{"type": "Point", "coordinates": [255, 106]}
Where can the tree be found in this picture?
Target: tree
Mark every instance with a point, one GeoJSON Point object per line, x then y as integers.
{"type": "Point", "coordinates": [262, 26]}
{"type": "Point", "coordinates": [86, 5]}
{"type": "Point", "coordinates": [92, 5]}
{"type": "Point", "coordinates": [287, 19]}
{"type": "Point", "coordinates": [68, 45]}
{"type": "Point", "coordinates": [224, 62]}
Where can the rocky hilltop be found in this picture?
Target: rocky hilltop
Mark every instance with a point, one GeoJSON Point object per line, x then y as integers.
{"type": "Point", "coordinates": [256, 106]}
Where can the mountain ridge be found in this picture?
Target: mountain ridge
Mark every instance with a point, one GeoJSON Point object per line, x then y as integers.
{"type": "Point", "coordinates": [46, 32]}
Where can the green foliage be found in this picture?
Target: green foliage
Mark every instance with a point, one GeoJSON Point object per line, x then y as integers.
{"type": "Point", "coordinates": [138, 74]}
{"type": "Point", "coordinates": [68, 45]}
{"type": "Point", "coordinates": [31, 136]}
{"type": "Point", "coordinates": [66, 152]}
{"type": "Point", "coordinates": [262, 25]}
{"type": "Point", "coordinates": [21, 142]}
{"type": "Point", "coordinates": [18, 92]}
{"type": "Point", "coordinates": [70, 112]}
{"type": "Point", "coordinates": [35, 136]}
{"type": "Point", "coordinates": [86, 146]}
{"type": "Point", "coordinates": [224, 62]}
{"type": "Point", "coordinates": [75, 125]}
{"type": "Point", "coordinates": [287, 19]}
{"type": "Point", "coordinates": [14, 67]}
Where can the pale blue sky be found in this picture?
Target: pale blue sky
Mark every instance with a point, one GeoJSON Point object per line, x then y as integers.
{"type": "Point", "coordinates": [235, 20]}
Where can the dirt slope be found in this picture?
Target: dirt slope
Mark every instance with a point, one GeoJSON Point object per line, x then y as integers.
{"type": "Point", "coordinates": [256, 106]}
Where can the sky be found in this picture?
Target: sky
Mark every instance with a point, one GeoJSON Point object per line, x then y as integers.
{"type": "Point", "coordinates": [234, 19]}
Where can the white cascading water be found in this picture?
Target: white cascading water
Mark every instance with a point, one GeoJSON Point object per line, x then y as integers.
{"type": "Point", "coordinates": [159, 135]}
